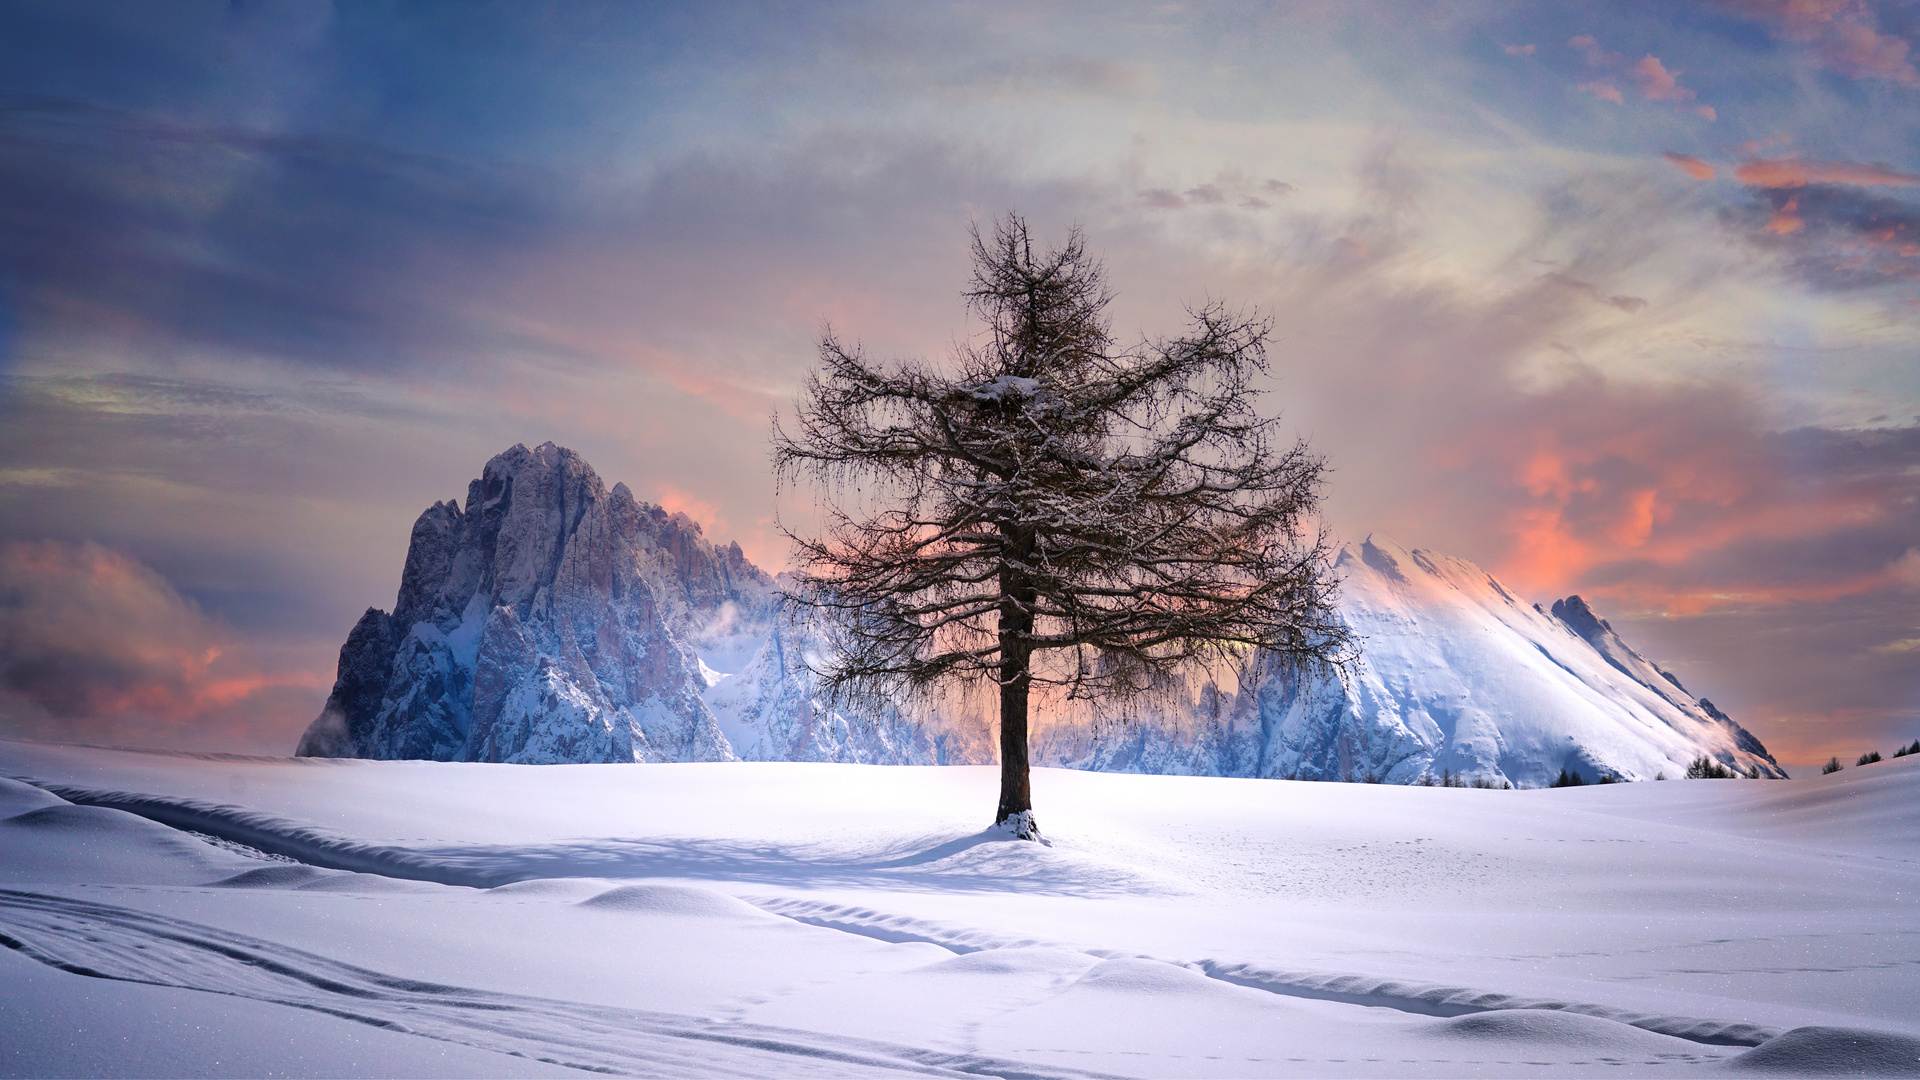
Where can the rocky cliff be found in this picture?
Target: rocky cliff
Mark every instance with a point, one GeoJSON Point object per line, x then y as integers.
{"type": "Point", "coordinates": [552, 620]}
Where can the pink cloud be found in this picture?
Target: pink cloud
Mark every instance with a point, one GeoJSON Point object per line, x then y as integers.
{"type": "Point", "coordinates": [96, 645]}
{"type": "Point", "coordinates": [1844, 34]}
{"type": "Point", "coordinates": [1795, 172]}
{"type": "Point", "coordinates": [704, 512]}
{"type": "Point", "coordinates": [1786, 219]}
{"type": "Point", "coordinates": [1588, 47]}
{"type": "Point", "coordinates": [1518, 50]}
{"type": "Point", "coordinates": [1603, 90]}
{"type": "Point", "coordinates": [1690, 165]}
{"type": "Point", "coordinates": [1657, 83]}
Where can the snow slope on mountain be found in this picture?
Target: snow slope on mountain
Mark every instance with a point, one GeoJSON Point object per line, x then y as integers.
{"type": "Point", "coordinates": [553, 621]}
{"type": "Point", "coordinates": [1458, 676]}
{"type": "Point", "coordinates": [798, 919]}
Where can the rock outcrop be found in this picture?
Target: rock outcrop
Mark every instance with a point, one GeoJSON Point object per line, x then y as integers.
{"type": "Point", "coordinates": [548, 620]}
{"type": "Point", "coordinates": [551, 620]}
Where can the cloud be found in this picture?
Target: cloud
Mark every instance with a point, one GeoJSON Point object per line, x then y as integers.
{"type": "Point", "coordinates": [1906, 569]}
{"type": "Point", "coordinates": [1595, 56]}
{"type": "Point", "coordinates": [1654, 81]}
{"type": "Point", "coordinates": [1657, 83]}
{"type": "Point", "coordinates": [1227, 187]}
{"type": "Point", "coordinates": [1628, 304]}
{"type": "Point", "coordinates": [1843, 34]}
{"type": "Point", "coordinates": [1690, 165]}
{"type": "Point", "coordinates": [1796, 172]}
{"type": "Point", "coordinates": [1081, 76]}
{"type": "Point", "coordinates": [703, 512]}
{"type": "Point", "coordinates": [95, 645]}
{"type": "Point", "coordinates": [1603, 90]}
{"type": "Point", "coordinates": [1786, 219]}
{"type": "Point", "coordinates": [1836, 237]}
{"type": "Point", "coordinates": [1518, 50]}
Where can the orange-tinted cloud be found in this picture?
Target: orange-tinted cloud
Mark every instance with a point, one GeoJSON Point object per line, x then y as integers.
{"type": "Point", "coordinates": [1786, 219]}
{"type": "Point", "coordinates": [1797, 172]}
{"type": "Point", "coordinates": [1638, 497]}
{"type": "Point", "coordinates": [92, 641]}
{"type": "Point", "coordinates": [704, 512]}
{"type": "Point", "coordinates": [1690, 165]}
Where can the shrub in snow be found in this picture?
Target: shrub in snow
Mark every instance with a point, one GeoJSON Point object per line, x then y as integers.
{"type": "Point", "coordinates": [1567, 779]}
{"type": "Point", "coordinates": [1705, 768]}
{"type": "Point", "coordinates": [1607, 778]}
{"type": "Point", "coordinates": [1832, 766]}
{"type": "Point", "coordinates": [1868, 758]}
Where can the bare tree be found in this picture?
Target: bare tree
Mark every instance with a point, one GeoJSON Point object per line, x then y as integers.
{"type": "Point", "coordinates": [1049, 509]}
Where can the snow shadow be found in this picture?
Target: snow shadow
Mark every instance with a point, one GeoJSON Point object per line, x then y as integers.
{"type": "Point", "coordinates": [980, 862]}
{"type": "Point", "coordinates": [986, 861]}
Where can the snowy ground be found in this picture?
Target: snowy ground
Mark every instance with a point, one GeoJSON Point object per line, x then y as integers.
{"type": "Point", "coordinates": [831, 920]}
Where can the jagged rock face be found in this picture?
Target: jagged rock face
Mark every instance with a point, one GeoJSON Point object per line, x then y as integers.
{"type": "Point", "coordinates": [1458, 676]}
{"type": "Point", "coordinates": [549, 620]}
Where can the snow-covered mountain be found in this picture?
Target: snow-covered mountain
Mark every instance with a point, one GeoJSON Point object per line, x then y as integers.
{"type": "Point", "coordinates": [1459, 675]}
{"type": "Point", "coordinates": [550, 620]}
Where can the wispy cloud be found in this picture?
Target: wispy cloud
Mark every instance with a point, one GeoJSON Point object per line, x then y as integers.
{"type": "Point", "coordinates": [94, 645]}
{"type": "Point", "coordinates": [1796, 172]}
{"type": "Point", "coordinates": [1845, 35]}
{"type": "Point", "coordinates": [1690, 165]}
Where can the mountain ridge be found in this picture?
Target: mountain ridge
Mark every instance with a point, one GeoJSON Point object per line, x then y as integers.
{"type": "Point", "coordinates": [551, 619]}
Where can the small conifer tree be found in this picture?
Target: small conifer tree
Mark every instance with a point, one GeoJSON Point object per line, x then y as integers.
{"type": "Point", "coordinates": [1705, 768]}
{"type": "Point", "coordinates": [1868, 758]}
{"type": "Point", "coordinates": [1832, 766]}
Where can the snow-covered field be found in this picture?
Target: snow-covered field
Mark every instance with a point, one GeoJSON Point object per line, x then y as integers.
{"type": "Point", "coordinates": [790, 919]}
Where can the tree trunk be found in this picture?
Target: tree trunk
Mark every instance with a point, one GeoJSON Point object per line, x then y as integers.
{"type": "Point", "coordinates": [1016, 676]}
{"type": "Point", "coordinates": [1016, 794]}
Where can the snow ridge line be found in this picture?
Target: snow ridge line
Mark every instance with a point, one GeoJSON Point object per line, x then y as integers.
{"type": "Point", "coordinates": [1435, 1000]}
{"type": "Point", "coordinates": [105, 941]}
{"type": "Point", "coordinates": [278, 836]}
{"type": "Point", "coordinates": [904, 929]}
{"type": "Point", "coordinates": [1427, 999]}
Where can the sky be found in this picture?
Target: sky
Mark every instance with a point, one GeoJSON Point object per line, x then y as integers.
{"type": "Point", "coordinates": [1620, 300]}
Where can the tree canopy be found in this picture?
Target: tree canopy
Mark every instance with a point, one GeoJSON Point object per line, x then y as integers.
{"type": "Point", "coordinates": [1050, 508]}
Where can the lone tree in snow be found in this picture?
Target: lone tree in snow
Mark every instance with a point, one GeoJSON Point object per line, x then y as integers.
{"type": "Point", "coordinates": [1051, 509]}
